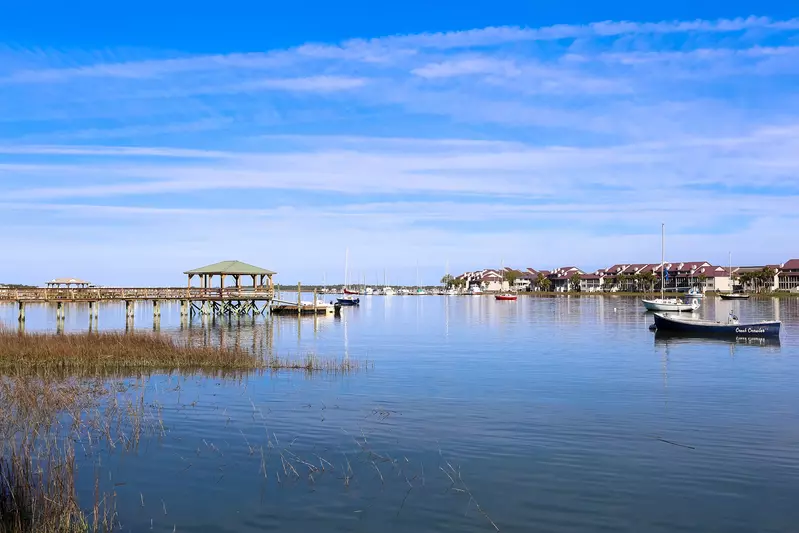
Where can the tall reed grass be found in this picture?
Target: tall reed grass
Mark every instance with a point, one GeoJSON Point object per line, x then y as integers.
{"type": "Point", "coordinates": [94, 353]}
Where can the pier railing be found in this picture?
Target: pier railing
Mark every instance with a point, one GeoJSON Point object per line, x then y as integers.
{"type": "Point", "coordinates": [134, 293]}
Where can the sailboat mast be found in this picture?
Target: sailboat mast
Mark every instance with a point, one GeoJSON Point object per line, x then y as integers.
{"type": "Point", "coordinates": [732, 285]}
{"type": "Point", "coordinates": [346, 266]}
{"type": "Point", "coordinates": [662, 259]}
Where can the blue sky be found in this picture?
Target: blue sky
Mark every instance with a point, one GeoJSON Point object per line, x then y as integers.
{"type": "Point", "coordinates": [141, 141]}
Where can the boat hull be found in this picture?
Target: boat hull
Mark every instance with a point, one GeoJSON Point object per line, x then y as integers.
{"type": "Point", "coordinates": [664, 322]}
{"type": "Point", "coordinates": [349, 291]}
{"type": "Point", "coordinates": [505, 298]}
{"type": "Point", "coordinates": [734, 296]}
{"type": "Point", "coordinates": [654, 305]}
{"type": "Point", "coordinates": [348, 302]}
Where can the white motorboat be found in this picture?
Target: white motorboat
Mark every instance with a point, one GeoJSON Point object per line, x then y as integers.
{"type": "Point", "coordinates": [475, 290]}
{"type": "Point", "coordinates": [670, 304]}
{"type": "Point", "coordinates": [388, 291]}
{"type": "Point", "coordinates": [694, 293]}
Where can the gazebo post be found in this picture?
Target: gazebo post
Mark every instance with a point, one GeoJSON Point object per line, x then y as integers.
{"type": "Point", "coordinates": [254, 284]}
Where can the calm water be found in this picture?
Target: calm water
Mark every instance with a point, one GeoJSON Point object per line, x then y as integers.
{"type": "Point", "coordinates": [554, 414]}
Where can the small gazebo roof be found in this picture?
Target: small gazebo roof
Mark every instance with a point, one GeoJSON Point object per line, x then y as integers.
{"type": "Point", "coordinates": [231, 267]}
{"type": "Point", "coordinates": [67, 281]}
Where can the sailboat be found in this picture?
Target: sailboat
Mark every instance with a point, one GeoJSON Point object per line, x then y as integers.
{"type": "Point", "coordinates": [347, 299]}
{"type": "Point", "coordinates": [387, 291]}
{"type": "Point", "coordinates": [346, 289]}
{"type": "Point", "coordinates": [663, 303]}
{"type": "Point", "coordinates": [732, 295]}
{"type": "Point", "coordinates": [504, 296]}
{"type": "Point", "coordinates": [419, 290]}
{"type": "Point", "coordinates": [451, 291]}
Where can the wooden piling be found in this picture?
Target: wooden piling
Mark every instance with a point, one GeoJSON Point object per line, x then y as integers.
{"type": "Point", "coordinates": [60, 312]}
{"type": "Point", "coordinates": [156, 308]}
{"type": "Point", "coordinates": [314, 302]}
{"type": "Point", "coordinates": [299, 298]}
{"type": "Point", "coordinates": [21, 311]}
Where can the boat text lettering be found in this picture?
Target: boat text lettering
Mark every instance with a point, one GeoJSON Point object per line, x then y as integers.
{"type": "Point", "coordinates": [750, 330]}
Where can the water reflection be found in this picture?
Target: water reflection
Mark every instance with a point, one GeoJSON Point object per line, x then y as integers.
{"type": "Point", "coordinates": [668, 338]}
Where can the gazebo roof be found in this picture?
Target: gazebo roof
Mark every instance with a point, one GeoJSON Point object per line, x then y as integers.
{"type": "Point", "coordinates": [67, 281]}
{"type": "Point", "coordinates": [231, 267]}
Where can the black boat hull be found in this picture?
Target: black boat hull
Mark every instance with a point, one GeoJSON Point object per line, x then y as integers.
{"type": "Point", "coordinates": [734, 296]}
{"type": "Point", "coordinates": [348, 302]}
{"type": "Point", "coordinates": [756, 329]}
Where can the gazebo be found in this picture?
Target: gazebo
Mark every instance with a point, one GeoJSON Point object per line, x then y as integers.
{"type": "Point", "coordinates": [236, 269]}
{"type": "Point", "coordinates": [67, 282]}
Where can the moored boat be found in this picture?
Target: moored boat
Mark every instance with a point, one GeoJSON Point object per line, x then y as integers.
{"type": "Point", "coordinates": [670, 304]}
{"type": "Point", "coordinates": [348, 301]}
{"type": "Point", "coordinates": [732, 328]}
{"type": "Point", "coordinates": [505, 297]}
{"type": "Point", "coordinates": [694, 293]}
{"type": "Point", "coordinates": [350, 291]}
{"type": "Point", "coordinates": [663, 303]}
{"type": "Point", "coordinates": [734, 296]}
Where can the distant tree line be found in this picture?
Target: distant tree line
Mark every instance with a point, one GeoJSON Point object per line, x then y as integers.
{"type": "Point", "coordinates": [758, 280]}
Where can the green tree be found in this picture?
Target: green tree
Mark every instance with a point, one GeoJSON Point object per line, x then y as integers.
{"type": "Point", "coordinates": [510, 276]}
{"type": "Point", "coordinates": [574, 282]}
{"type": "Point", "coordinates": [767, 277]}
{"type": "Point", "coordinates": [610, 281]}
{"type": "Point", "coordinates": [702, 280]}
{"type": "Point", "coordinates": [648, 280]}
{"type": "Point", "coordinates": [542, 283]}
{"type": "Point", "coordinates": [447, 280]}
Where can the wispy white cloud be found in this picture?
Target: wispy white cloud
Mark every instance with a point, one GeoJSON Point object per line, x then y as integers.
{"type": "Point", "coordinates": [458, 144]}
{"type": "Point", "coordinates": [463, 67]}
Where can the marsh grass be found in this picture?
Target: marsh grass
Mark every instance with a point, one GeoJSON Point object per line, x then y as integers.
{"type": "Point", "coordinates": [65, 392]}
{"type": "Point", "coordinates": [97, 353]}
{"type": "Point", "coordinates": [41, 423]}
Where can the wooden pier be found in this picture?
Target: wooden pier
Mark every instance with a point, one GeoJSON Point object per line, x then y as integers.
{"type": "Point", "coordinates": [205, 300]}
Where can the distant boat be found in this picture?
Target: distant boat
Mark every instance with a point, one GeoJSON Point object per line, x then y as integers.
{"type": "Point", "coordinates": [732, 328]}
{"type": "Point", "coordinates": [388, 291]}
{"type": "Point", "coordinates": [420, 292]}
{"type": "Point", "coordinates": [369, 291]}
{"type": "Point", "coordinates": [506, 297]}
{"type": "Point", "coordinates": [350, 291]}
{"type": "Point", "coordinates": [734, 296]}
{"type": "Point", "coordinates": [670, 304]}
{"type": "Point", "coordinates": [475, 290]}
{"type": "Point", "coordinates": [694, 293]}
{"type": "Point", "coordinates": [663, 303]}
{"type": "Point", "coordinates": [348, 301]}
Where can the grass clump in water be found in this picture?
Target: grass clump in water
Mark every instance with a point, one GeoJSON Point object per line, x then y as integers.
{"type": "Point", "coordinates": [86, 353]}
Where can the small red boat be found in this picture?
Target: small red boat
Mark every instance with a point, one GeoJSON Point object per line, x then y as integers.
{"type": "Point", "coordinates": [350, 291]}
{"type": "Point", "coordinates": [506, 297]}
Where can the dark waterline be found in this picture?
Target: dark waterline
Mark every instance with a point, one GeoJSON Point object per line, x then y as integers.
{"type": "Point", "coordinates": [553, 414]}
